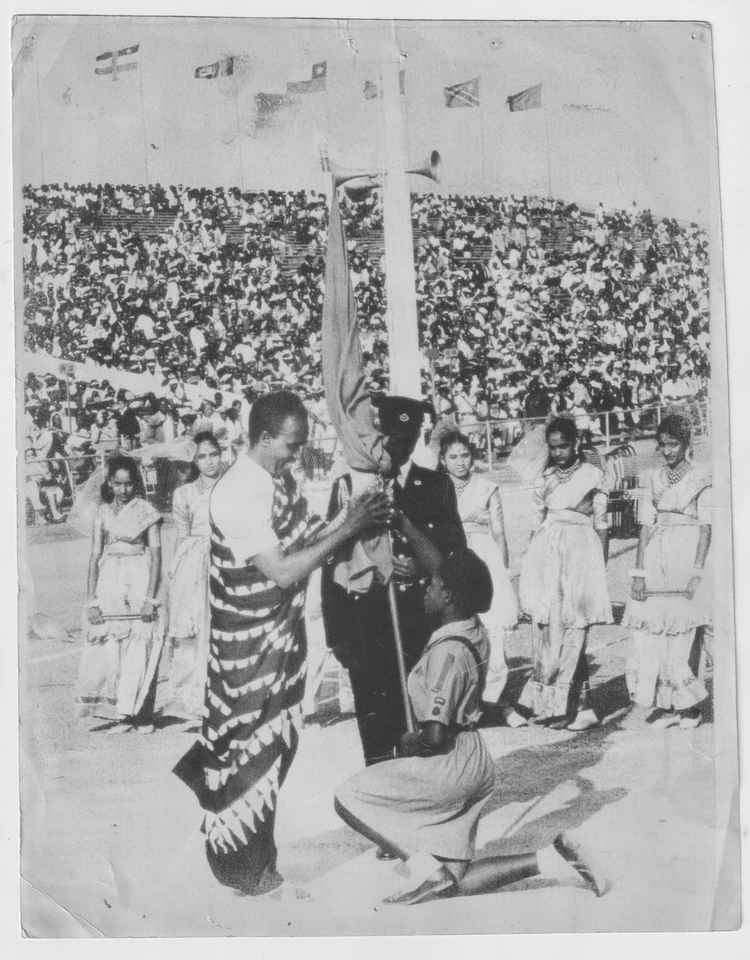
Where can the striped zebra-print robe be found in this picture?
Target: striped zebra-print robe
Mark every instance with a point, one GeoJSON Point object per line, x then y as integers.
{"type": "Point", "coordinates": [254, 689]}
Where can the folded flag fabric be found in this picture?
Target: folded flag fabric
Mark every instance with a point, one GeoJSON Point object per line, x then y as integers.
{"type": "Point", "coordinates": [529, 99]}
{"type": "Point", "coordinates": [315, 84]}
{"type": "Point", "coordinates": [464, 94]}
{"type": "Point", "coordinates": [267, 106]}
{"type": "Point", "coordinates": [114, 62]}
{"type": "Point", "coordinates": [221, 68]}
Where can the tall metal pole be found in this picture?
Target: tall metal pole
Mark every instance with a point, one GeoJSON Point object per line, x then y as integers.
{"type": "Point", "coordinates": [401, 309]}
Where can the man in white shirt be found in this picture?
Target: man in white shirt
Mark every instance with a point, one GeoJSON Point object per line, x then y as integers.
{"type": "Point", "coordinates": [264, 545]}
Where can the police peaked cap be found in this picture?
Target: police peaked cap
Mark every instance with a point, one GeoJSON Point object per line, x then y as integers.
{"type": "Point", "coordinates": [400, 415]}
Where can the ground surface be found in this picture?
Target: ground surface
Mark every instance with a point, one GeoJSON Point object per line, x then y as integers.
{"type": "Point", "coordinates": [111, 843]}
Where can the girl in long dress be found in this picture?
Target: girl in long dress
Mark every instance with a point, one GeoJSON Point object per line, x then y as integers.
{"type": "Point", "coordinates": [123, 635]}
{"type": "Point", "coordinates": [563, 584]}
{"type": "Point", "coordinates": [481, 511]}
{"type": "Point", "coordinates": [184, 665]}
{"type": "Point", "coordinates": [670, 585]}
{"type": "Point", "coordinates": [424, 807]}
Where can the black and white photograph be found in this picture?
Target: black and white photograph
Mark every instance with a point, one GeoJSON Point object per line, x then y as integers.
{"type": "Point", "coordinates": [373, 499]}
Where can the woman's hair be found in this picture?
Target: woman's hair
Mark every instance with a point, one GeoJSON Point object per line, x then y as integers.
{"type": "Point", "coordinates": [567, 429]}
{"type": "Point", "coordinates": [206, 436]}
{"type": "Point", "coordinates": [565, 426]}
{"type": "Point", "coordinates": [455, 436]}
{"type": "Point", "coordinates": [121, 462]}
{"type": "Point", "coordinates": [677, 426]}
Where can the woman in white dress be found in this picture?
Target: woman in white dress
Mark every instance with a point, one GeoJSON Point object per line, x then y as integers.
{"type": "Point", "coordinates": [123, 635]}
{"type": "Point", "coordinates": [481, 510]}
{"type": "Point", "coordinates": [670, 594]}
{"type": "Point", "coordinates": [563, 584]}
{"type": "Point", "coordinates": [183, 668]}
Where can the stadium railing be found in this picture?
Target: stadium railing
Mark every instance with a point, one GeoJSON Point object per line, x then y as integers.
{"type": "Point", "coordinates": [494, 440]}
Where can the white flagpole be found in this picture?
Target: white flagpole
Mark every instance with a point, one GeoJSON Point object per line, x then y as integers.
{"type": "Point", "coordinates": [405, 359]}
{"type": "Point", "coordinates": [143, 116]}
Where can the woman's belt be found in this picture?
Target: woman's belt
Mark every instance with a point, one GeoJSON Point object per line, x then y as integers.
{"type": "Point", "coordinates": [124, 550]}
{"type": "Point", "coordinates": [672, 518]}
{"type": "Point", "coordinates": [569, 516]}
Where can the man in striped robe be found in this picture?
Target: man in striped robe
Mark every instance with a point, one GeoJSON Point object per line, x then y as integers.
{"type": "Point", "coordinates": [264, 545]}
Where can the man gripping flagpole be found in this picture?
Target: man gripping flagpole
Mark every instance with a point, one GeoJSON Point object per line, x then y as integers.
{"type": "Point", "coordinates": [373, 591]}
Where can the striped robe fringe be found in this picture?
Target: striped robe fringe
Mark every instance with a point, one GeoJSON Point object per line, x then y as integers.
{"type": "Point", "coordinates": [255, 684]}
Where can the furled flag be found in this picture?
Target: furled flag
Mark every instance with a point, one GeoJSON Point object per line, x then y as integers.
{"type": "Point", "coordinates": [221, 68]}
{"type": "Point", "coordinates": [315, 84]}
{"type": "Point", "coordinates": [371, 90]}
{"type": "Point", "coordinates": [529, 99]}
{"type": "Point", "coordinates": [349, 408]}
{"type": "Point", "coordinates": [267, 106]}
{"type": "Point", "coordinates": [117, 61]}
{"type": "Point", "coordinates": [464, 94]}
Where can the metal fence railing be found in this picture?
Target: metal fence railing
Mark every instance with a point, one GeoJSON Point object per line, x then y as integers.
{"type": "Point", "coordinates": [493, 440]}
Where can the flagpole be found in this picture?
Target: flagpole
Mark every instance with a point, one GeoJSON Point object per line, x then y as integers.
{"type": "Point", "coordinates": [404, 357]}
{"type": "Point", "coordinates": [240, 151]}
{"type": "Point", "coordinates": [549, 152]}
{"type": "Point", "coordinates": [39, 119]}
{"type": "Point", "coordinates": [143, 119]}
{"type": "Point", "coordinates": [482, 168]}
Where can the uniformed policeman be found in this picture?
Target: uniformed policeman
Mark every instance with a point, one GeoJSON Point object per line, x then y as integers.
{"type": "Point", "coordinates": [358, 626]}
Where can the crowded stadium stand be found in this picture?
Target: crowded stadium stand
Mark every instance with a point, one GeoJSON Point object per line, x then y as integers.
{"type": "Point", "coordinates": [527, 306]}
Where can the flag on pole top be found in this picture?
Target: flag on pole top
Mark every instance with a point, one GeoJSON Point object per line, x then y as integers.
{"type": "Point", "coordinates": [115, 62]}
{"type": "Point", "coordinates": [528, 99]}
{"type": "Point", "coordinates": [464, 94]}
{"type": "Point", "coordinates": [315, 84]}
{"type": "Point", "coordinates": [221, 68]}
{"type": "Point", "coordinates": [371, 90]}
{"type": "Point", "coordinates": [267, 106]}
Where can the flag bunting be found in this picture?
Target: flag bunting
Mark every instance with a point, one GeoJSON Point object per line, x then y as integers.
{"type": "Point", "coordinates": [529, 99]}
{"type": "Point", "coordinates": [115, 62]}
{"type": "Point", "coordinates": [464, 94]}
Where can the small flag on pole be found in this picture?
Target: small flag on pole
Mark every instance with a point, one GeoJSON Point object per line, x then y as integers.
{"type": "Point", "coordinates": [267, 106]}
{"type": "Point", "coordinates": [221, 68]}
{"type": "Point", "coordinates": [529, 99]}
{"type": "Point", "coordinates": [115, 62]}
{"type": "Point", "coordinates": [371, 90]}
{"type": "Point", "coordinates": [464, 94]}
{"type": "Point", "coordinates": [315, 84]}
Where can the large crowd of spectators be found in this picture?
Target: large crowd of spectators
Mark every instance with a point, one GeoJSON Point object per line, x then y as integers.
{"type": "Point", "coordinates": [530, 305]}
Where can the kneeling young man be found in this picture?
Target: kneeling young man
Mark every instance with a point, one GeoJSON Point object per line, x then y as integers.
{"type": "Point", "coordinates": [424, 806]}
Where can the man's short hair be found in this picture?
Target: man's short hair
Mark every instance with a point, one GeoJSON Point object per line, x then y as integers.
{"type": "Point", "coordinates": [270, 411]}
{"type": "Point", "coordinates": [468, 578]}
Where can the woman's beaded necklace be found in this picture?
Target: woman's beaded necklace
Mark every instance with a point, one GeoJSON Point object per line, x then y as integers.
{"type": "Point", "coordinates": [461, 485]}
{"type": "Point", "coordinates": [564, 474]}
{"type": "Point", "coordinates": [674, 476]}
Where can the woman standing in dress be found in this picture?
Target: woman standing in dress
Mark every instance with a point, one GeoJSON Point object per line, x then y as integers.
{"type": "Point", "coordinates": [123, 636]}
{"type": "Point", "coordinates": [424, 807]}
{"type": "Point", "coordinates": [670, 587]}
{"type": "Point", "coordinates": [185, 664]}
{"type": "Point", "coordinates": [563, 584]}
{"type": "Point", "coordinates": [481, 512]}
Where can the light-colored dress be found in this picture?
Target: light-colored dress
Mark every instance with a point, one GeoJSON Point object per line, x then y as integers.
{"type": "Point", "coordinates": [563, 584]}
{"type": "Point", "coordinates": [664, 625]}
{"type": "Point", "coordinates": [476, 499]}
{"type": "Point", "coordinates": [183, 668]}
{"type": "Point", "coordinates": [433, 804]}
{"type": "Point", "coordinates": [118, 666]}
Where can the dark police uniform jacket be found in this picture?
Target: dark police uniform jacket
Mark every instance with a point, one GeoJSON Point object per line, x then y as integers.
{"type": "Point", "coordinates": [354, 622]}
